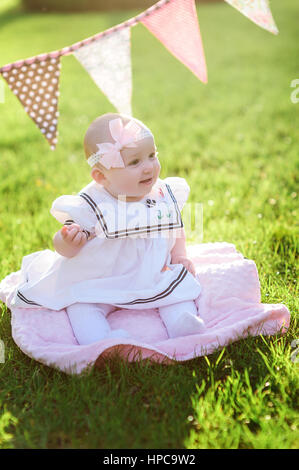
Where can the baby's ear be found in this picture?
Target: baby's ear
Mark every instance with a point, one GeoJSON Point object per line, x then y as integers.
{"type": "Point", "coordinates": [97, 175]}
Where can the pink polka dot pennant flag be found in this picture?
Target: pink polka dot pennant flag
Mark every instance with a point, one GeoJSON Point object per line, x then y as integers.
{"type": "Point", "coordinates": [257, 11]}
{"type": "Point", "coordinates": [36, 85]}
{"type": "Point", "coordinates": [175, 24]}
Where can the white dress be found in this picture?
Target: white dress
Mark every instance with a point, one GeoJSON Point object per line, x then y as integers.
{"type": "Point", "coordinates": [122, 263]}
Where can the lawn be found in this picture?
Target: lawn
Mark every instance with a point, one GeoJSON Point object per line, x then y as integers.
{"type": "Point", "coordinates": [235, 140]}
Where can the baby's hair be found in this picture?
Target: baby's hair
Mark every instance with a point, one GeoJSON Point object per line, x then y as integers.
{"type": "Point", "coordinates": [98, 132]}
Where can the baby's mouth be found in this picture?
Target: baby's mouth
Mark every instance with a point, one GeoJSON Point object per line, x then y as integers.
{"type": "Point", "coordinates": [146, 181]}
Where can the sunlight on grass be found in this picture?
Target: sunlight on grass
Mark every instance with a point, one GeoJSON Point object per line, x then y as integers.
{"type": "Point", "coordinates": [240, 412]}
{"type": "Point", "coordinates": [8, 4]}
{"type": "Point", "coordinates": [7, 421]}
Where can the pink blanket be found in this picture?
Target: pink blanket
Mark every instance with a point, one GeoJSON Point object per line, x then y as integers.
{"type": "Point", "coordinates": [229, 304]}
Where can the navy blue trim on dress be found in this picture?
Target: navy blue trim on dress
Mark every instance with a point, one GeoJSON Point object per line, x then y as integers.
{"type": "Point", "coordinates": [160, 296]}
{"type": "Point", "coordinates": [126, 232]}
{"type": "Point", "coordinates": [26, 301]}
{"type": "Point", "coordinates": [163, 294]}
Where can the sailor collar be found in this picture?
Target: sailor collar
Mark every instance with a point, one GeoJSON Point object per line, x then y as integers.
{"type": "Point", "coordinates": [155, 213]}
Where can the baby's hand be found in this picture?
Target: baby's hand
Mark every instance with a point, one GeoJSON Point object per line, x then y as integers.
{"type": "Point", "coordinates": [73, 235]}
{"type": "Point", "coordinates": [185, 262]}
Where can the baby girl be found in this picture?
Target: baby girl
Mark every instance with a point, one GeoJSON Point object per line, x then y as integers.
{"type": "Point", "coordinates": [122, 244]}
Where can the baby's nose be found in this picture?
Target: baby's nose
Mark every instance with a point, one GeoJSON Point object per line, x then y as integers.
{"type": "Point", "coordinates": [148, 167]}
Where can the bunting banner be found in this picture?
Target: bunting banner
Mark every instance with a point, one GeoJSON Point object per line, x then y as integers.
{"type": "Point", "coordinates": [36, 85]}
{"type": "Point", "coordinates": [106, 57]}
{"type": "Point", "coordinates": [175, 24]}
{"type": "Point", "coordinates": [257, 11]}
{"type": "Point", "coordinates": [108, 61]}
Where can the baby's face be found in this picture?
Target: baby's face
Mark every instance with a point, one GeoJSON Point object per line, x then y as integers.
{"type": "Point", "coordinates": [141, 163]}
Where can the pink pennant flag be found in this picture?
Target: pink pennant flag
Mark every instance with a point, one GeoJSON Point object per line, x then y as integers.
{"type": "Point", "coordinates": [257, 11]}
{"type": "Point", "coordinates": [36, 85]}
{"type": "Point", "coordinates": [175, 24]}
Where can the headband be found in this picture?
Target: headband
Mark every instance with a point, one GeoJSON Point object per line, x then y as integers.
{"type": "Point", "coordinates": [125, 136]}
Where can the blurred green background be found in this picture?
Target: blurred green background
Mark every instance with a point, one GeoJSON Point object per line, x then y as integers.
{"type": "Point", "coordinates": [84, 5]}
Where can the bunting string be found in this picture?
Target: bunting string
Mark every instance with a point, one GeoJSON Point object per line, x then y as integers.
{"type": "Point", "coordinates": [106, 56]}
{"type": "Point", "coordinates": [70, 49]}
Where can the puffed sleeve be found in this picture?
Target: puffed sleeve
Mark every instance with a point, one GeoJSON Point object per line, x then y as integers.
{"type": "Point", "coordinates": [67, 209]}
{"type": "Point", "coordinates": [180, 189]}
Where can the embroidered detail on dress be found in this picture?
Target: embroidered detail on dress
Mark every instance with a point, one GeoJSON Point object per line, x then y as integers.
{"type": "Point", "coordinates": [137, 230]}
{"type": "Point", "coordinates": [160, 215]}
{"type": "Point", "coordinates": [150, 202]}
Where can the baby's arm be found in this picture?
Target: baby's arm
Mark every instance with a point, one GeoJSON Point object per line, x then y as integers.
{"type": "Point", "coordinates": [179, 253]}
{"type": "Point", "coordinates": [69, 240]}
{"type": "Point", "coordinates": [179, 248]}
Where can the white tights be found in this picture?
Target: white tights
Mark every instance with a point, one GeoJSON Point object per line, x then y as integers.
{"type": "Point", "coordinates": [181, 319]}
{"type": "Point", "coordinates": [90, 325]}
{"type": "Point", "coordinates": [89, 322]}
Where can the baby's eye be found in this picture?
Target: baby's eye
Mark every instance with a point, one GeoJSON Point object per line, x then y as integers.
{"type": "Point", "coordinates": [153, 155]}
{"type": "Point", "coordinates": [134, 162]}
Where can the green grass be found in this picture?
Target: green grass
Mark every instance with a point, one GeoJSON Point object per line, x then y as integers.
{"type": "Point", "coordinates": [236, 142]}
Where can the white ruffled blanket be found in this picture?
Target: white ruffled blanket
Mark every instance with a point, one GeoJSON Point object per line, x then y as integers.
{"type": "Point", "coordinates": [229, 303]}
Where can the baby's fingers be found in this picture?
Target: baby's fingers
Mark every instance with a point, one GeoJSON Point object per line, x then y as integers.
{"type": "Point", "coordinates": [70, 234]}
{"type": "Point", "coordinates": [190, 266]}
{"type": "Point", "coordinates": [64, 231]}
{"type": "Point", "coordinates": [79, 239]}
{"type": "Point", "coordinates": [192, 270]}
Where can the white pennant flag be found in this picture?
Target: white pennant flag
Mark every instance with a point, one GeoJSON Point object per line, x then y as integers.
{"type": "Point", "coordinates": [108, 61]}
{"type": "Point", "coordinates": [257, 11]}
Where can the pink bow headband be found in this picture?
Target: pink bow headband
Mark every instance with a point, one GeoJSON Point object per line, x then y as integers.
{"type": "Point", "coordinates": [125, 136]}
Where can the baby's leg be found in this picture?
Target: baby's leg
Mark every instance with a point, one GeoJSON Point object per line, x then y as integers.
{"type": "Point", "coordinates": [181, 319]}
{"type": "Point", "coordinates": [89, 322]}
